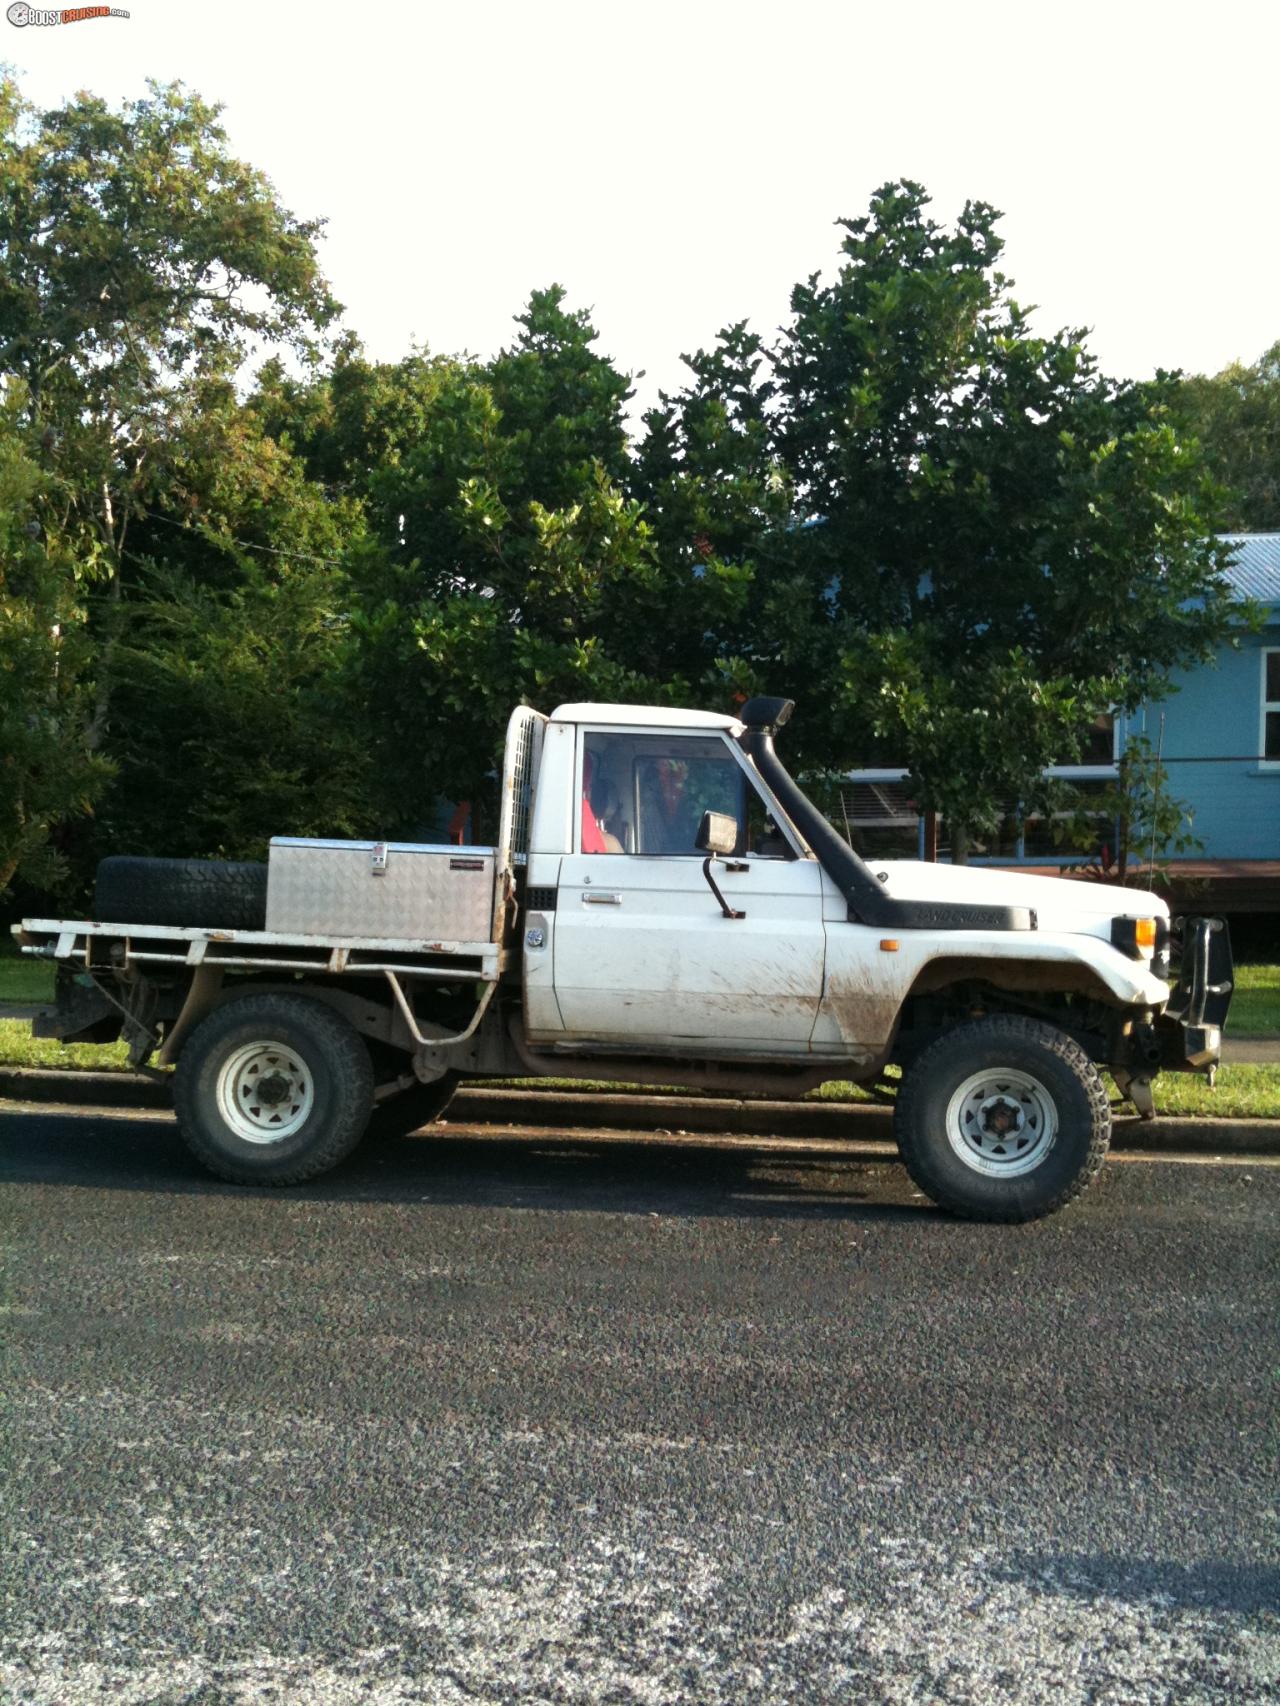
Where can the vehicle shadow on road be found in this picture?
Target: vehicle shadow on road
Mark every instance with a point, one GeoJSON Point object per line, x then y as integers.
{"type": "Point", "coordinates": [1211, 1585]}
{"type": "Point", "coordinates": [549, 1171]}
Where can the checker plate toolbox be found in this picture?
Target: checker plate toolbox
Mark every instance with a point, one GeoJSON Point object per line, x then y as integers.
{"type": "Point", "coordinates": [380, 889]}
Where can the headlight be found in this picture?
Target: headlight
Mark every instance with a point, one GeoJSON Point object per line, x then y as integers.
{"type": "Point", "coordinates": [1137, 937]}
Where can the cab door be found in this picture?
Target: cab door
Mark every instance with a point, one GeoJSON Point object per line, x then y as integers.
{"type": "Point", "coordinates": [643, 952]}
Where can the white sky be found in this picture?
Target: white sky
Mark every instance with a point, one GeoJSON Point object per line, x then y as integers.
{"type": "Point", "coordinates": [679, 166]}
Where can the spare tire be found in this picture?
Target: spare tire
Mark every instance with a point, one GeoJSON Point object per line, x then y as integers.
{"type": "Point", "coordinates": [189, 892]}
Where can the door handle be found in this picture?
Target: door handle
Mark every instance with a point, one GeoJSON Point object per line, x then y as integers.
{"type": "Point", "coordinates": [596, 898]}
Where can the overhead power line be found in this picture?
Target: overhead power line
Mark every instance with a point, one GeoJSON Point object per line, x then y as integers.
{"type": "Point", "coordinates": [244, 544]}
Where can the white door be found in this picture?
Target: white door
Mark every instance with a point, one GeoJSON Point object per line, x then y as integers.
{"type": "Point", "coordinates": [643, 951]}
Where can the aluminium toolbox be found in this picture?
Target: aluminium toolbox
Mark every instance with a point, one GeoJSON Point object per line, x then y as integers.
{"type": "Point", "coordinates": [389, 890]}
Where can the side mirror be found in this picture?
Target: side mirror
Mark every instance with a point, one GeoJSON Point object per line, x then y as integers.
{"type": "Point", "coordinates": [717, 834]}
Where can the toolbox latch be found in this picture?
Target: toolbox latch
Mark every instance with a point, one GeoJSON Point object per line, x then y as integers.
{"type": "Point", "coordinates": [378, 860]}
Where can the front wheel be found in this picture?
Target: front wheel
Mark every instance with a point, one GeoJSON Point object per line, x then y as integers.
{"type": "Point", "coordinates": [273, 1089]}
{"type": "Point", "coordinates": [1003, 1118]}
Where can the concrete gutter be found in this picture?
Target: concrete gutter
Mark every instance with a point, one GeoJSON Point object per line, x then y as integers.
{"type": "Point", "coordinates": [1251, 1051]}
{"type": "Point", "coordinates": [568, 1111]}
{"type": "Point", "coordinates": [81, 1089]}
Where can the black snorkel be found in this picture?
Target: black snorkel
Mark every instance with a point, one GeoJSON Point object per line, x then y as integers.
{"type": "Point", "coordinates": [865, 897]}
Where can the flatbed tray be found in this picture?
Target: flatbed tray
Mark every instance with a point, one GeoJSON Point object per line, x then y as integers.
{"type": "Point", "coordinates": [74, 941]}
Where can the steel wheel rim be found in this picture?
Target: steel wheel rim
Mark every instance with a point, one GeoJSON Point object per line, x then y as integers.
{"type": "Point", "coordinates": [265, 1092]}
{"type": "Point", "coordinates": [1002, 1122]}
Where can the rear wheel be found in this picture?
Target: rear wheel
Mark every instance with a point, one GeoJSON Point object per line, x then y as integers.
{"type": "Point", "coordinates": [1003, 1118]}
{"type": "Point", "coordinates": [273, 1089]}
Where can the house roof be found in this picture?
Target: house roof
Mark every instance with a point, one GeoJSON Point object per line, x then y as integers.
{"type": "Point", "coordinates": [1255, 566]}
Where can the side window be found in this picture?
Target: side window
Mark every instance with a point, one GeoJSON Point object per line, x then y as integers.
{"type": "Point", "coordinates": [764, 839]}
{"type": "Point", "coordinates": [647, 793]}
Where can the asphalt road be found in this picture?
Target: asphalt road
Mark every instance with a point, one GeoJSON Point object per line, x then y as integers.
{"type": "Point", "coordinates": [501, 1422]}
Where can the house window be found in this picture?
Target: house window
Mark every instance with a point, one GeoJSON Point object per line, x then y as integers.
{"type": "Point", "coordinates": [1100, 741]}
{"type": "Point", "coordinates": [1271, 707]}
{"type": "Point", "coordinates": [877, 810]}
{"type": "Point", "coordinates": [1061, 833]}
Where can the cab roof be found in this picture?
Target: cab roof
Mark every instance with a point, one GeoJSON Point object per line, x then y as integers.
{"type": "Point", "coordinates": [645, 716]}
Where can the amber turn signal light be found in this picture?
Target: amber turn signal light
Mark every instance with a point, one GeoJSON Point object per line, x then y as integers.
{"type": "Point", "coordinates": [1135, 936]}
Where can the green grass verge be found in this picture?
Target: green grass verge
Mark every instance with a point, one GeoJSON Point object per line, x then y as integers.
{"type": "Point", "coordinates": [1255, 1006]}
{"type": "Point", "coordinates": [19, 1048]}
{"type": "Point", "coordinates": [22, 979]}
{"type": "Point", "coordinates": [1241, 1092]}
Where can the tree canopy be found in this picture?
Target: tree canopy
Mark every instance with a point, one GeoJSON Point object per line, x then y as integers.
{"type": "Point", "coordinates": [255, 582]}
{"type": "Point", "coordinates": [1236, 416]}
{"type": "Point", "coordinates": [47, 772]}
{"type": "Point", "coordinates": [963, 535]}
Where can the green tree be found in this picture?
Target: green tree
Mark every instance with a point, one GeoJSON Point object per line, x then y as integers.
{"type": "Point", "coordinates": [1236, 416]}
{"type": "Point", "coordinates": [1152, 824]}
{"type": "Point", "coordinates": [718, 499]}
{"type": "Point", "coordinates": [988, 541]}
{"type": "Point", "coordinates": [312, 607]}
{"type": "Point", "coordinates": [232, 721]}
{"type": "Point", "coordinates": [504, 557]}
{"type": "Point", "coordinates": [141, 266]}
{"type": "Point", "coordinates": [138, 260]}
{"type": "Point", "coordinates": [47, 774]}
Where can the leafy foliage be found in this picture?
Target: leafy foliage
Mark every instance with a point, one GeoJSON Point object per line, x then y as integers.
{"type": "Point", "coordinates": [140, 265]}
{"type": "Point", "coordinates": [47, 774]}
{"type": "Point", "coordinates": [504, 558]}
{"type": "Point", "coordinates": [1236, 415]}
{"type": "Point", "coordinates": [987, 542]}
{"type": "Point", "coordinates": [1152, 824]}
{"type": "Point", "coordinates": [233, 722]}
{"type": "Point", "coordinates": [138, 254]}
{"type": "Point", "coordinates": [307, 603]}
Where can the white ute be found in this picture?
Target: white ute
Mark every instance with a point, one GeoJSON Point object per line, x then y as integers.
{"type": "Point", "coordinates": [664, 905]}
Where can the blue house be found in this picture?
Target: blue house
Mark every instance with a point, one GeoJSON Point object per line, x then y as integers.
{"type": "Point", "coordinates": [1222, 727]}
{"type": "Point", "coordinates": [1219, 735]}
